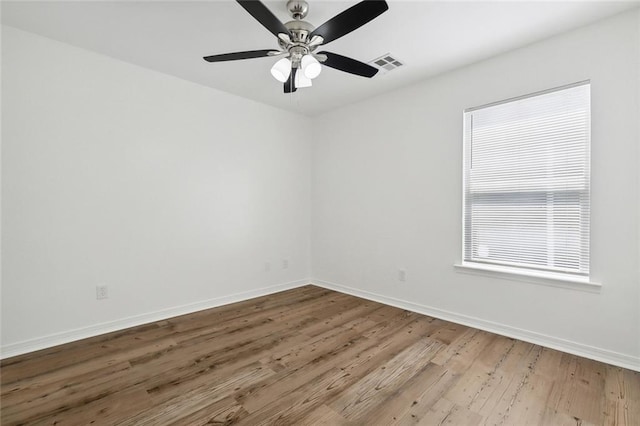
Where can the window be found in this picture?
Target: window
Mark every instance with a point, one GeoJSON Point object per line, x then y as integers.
{"type": "Point", "coordinates": [526, 184]}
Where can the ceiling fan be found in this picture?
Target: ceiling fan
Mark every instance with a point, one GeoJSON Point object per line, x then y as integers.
{"type": "Point", "coordinates": [298, 41]}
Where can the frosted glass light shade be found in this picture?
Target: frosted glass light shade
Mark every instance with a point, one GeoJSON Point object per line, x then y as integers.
{"type": "Point", "coordinates": [310, 66]}
{"type": "Point", "coordinates": [281, 70]}
{"type": "Point", "coordinates": [302, 80]}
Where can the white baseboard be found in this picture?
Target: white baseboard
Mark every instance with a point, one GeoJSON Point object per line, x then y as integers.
{"type": "Point", "coordinates": [598, 354]}
{"type": "Point", "coordinates": [51, 340]}
{"type": "Point", "coordinates": [575, 348]}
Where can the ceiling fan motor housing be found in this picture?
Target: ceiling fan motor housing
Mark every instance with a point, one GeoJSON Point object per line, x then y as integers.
{"type": "Point", "coordinates": [300, 31]}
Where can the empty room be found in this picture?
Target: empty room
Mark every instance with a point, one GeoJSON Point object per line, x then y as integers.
{"type": "Point", "coordinates": [320, 212]}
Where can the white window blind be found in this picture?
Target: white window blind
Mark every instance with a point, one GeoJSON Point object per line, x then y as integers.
{"type": "Point", "coordinates": [526, 182]}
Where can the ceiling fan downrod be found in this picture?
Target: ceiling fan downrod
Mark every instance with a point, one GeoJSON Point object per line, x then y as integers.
{"type": "Point", "coordinates": [298, 9]}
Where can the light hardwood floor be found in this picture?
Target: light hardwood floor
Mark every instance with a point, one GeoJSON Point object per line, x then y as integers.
{"type": "Point", "coordinates": [312, 356]}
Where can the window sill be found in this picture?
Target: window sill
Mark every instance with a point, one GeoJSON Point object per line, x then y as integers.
{"type": "Point", "coordinates": [535, 277]}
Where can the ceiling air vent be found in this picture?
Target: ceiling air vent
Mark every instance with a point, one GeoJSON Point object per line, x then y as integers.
{"type": "Point", "coordinates": [386, 63]}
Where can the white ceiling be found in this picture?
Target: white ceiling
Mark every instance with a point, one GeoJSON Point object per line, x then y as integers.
{"type": "Point", "coordinates": [431, 37]}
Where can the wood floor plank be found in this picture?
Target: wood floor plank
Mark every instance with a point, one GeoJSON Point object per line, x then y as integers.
{"type": "Point", "coordinates": [288, 400]}
{"type": "Point", "coordinates": [432, 390]}
{"type": "Point", "coordinates": [530, 406]}
{"type": "Point", "coordinates": [473, 381]}
{"type": "Point", "coordinates": [361, 312]}
{"type": "Point", "coordinates": [226, 411]}
{"type": "Point", "coordinates": [176, 384]}
{"type": "Point", "coordinates": [63, 396]}
{"type": "Point", "coordinates": [503, 391]}
{"type": "Point", "coordinates": [304, 370]}
{"type": "Point", "coordinates": [365, 395]}
{"type": "Point", "coordinates": [323, 416]}
{"type": "Point", "coordinates": [273, 316]}
{"type": "Point", "coordinates": [400, 402]}
{"type": "Point", "coordinates": [579, 392]}
{"type": "Point", "coordinates": [311, 356]}
{"type": "Point", "coordinates": [62, 374]}
{"type": "Point", "coordinates": [622, 391]}
{"type": "Point", "coordinates": [198, 399]}
{"type": "Point", "coordinates": [463, 351]}
{"type": "Point", "coordinates": [69, 355]}
{"type": "Point", "coordinates": [106, 410]}
{"type": "Point", "coordinates": [445, 412]}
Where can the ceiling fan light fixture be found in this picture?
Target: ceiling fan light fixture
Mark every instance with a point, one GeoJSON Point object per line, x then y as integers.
{"type": "Point", "coordinates": [311, 68]}
{"type": "Point", "coordinates": [281, 70]}
{"type": "Point", "coordinates": [302, 80]}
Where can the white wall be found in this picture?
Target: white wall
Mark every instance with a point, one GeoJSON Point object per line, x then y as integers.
{"type": "Point", "coordinates": [386, 191]}
{"type": "Point", "coordinates": [172, 194]}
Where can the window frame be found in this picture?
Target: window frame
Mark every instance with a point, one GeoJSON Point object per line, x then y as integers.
{"type": "Point", "coordinates": [526, 272]}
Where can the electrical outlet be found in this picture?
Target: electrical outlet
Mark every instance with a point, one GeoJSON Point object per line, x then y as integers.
{"type": "Point", "coordinates": [267, 266]}
{"type": "Point", "coordinates": [402, 275]}
{"type": "Point", "coordinates": [102, 292]}
{"type": "Point", "coordinates": [285, 263]}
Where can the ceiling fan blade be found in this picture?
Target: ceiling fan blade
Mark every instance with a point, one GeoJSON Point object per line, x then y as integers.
{"type": "Point", "coordinates": [249, 54]}
{"type": "Point", "coordinates": [263, 15]}
{"type": "Point", "coordinates": [351, 19]}
{"type": "Point", "coordinates": [290, 84]}
{"type": "Point", "coordinates": [349, 65]}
